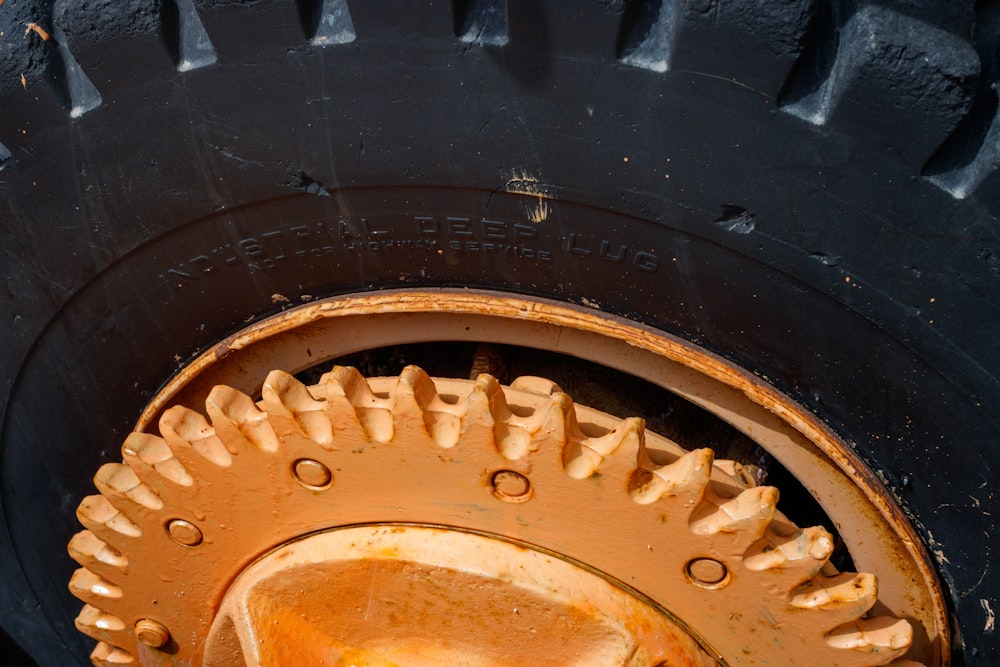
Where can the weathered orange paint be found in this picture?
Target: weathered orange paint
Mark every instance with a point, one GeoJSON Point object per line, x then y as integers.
{"type": "Point", "coordinates": [403, 454]}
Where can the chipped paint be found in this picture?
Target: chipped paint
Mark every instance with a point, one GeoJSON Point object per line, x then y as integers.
{"type": "Point", "coordinates": [539, 212]}
{"type": "Point", "coordinates": [523, 183]}
{"type": "Point", "coordinates": [991, 619]}
{"type": "Point", "coordinates": [935, 548]}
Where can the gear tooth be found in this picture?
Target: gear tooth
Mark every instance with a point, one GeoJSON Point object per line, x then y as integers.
{"type": "Point", "coordinates": [795, 554]}
{"type": "Point", "coordinates": [292, 410]}
{"type": "Point", "coordinates": [108, 655]}
{"type": "Point", "coordinates": [883, 636]}
{"type": "Point", "coordinates": [513, 436]}
{"type": "Point", "coordinates": [105, 521]}
{"type": "Point", "coordinates": [238, 422]}
{"type": "Point", "coordinates": [153, 461]}
{"type": "Point", "coordinates": [444, 428]}
{"type": "Point", "coordinates": [122, 487]}
{"type": "Point", "coordinates": [339, 378]}
{"type": "Point", "coordinates": [497, 401]}
{"type": "Point", "coordinates": [582, 455]}
{"type": "Point", "coordinates": [476, 406]}
{"type": "Point", "coordinates": [737, 471]}
{"type": "Point", "coordinates": [346, 381]}
{"type": "Point", "coordinates": [580, 461]}
{"type": "Point", "coordinates": [477, 423]}
{"type": "Point", "coordinates": [417, 409]}
{"type": "Point", "coordinates": [743, 519]}
{"type": "Point", "coordinates": [684, 481]}
{"type": "Point", "coordinates": [513, 442]}
{"type": "Point", "coordinates": [418, 384]}
{"type": "Point", "coordinates": [554, 423]}
{"type": "Point", "coordinates": [186, 432]}
{"type": "Point", "coordinates": [94, 554]}
{"type": "Point", "coordinates": [100, 625]}
{"type": "Point", "coordinates": [357, 414]}
{"type": "Point", "coordinates": [631, 429]}
{"type": "Point", "coordinates": [536, 385]}
{"type": "Point", "coordinates": [93, 588]}
{"type": "Point", "coordinates": [486, 413]}
{"type": "Point", "coordinates": [842, 597]}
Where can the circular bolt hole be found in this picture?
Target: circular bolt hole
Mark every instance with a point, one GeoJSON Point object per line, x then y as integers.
{"type": "Point", "coordinates": [184, 532]}
{"type": "Point", "coordinates": [707, 573]}
{"type": "Point", "coordinates": [312, 474]}
{"type": "Point", "coordinates": [510, 486]}
{"type": "Point", "coordinates": [152, 633]}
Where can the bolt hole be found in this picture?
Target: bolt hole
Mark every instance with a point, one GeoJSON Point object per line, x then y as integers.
{"type": "Point", "coordinates": [312, 474]}
{"type": "Point", "coordinates": [707, 573]}
{"type": "Point", "coordinates": [184, 533]}
{"type": "Point", "coordinates": [152, 633]}
{"type": "Point", "coordinates": [510, 486]}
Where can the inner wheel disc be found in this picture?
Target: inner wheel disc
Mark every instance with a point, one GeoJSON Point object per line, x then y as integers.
{"type": "Point", "coordinates": [382, 596]}
{"type": "Point", "coordinates": [657, 555]}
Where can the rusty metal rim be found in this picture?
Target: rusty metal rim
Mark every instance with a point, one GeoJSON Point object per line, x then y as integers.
{"type": "Point", "coordinates": [877, 533]}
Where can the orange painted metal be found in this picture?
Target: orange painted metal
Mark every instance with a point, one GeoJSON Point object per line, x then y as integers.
{"type": "Point", "coordinates": [423, 597]}
{"type": "Point", "coordinates": [874, 528]}
{"type": "Point", "coordinates": [667, 528]}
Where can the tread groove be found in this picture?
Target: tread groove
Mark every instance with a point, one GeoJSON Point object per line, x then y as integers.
{"type": "Point", "coordinates": [812, 88]}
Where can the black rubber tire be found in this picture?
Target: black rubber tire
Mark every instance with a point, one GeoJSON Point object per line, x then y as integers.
{"type": "Point", "coordinates": [808, 189]}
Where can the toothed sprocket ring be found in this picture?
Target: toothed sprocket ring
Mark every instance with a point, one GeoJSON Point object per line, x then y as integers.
{"type": "Point", "coordinates": [519, 475]}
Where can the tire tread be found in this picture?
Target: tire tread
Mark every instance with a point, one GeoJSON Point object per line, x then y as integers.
{"type": "Point", "coordinates": [884, 75]}
{"type": "Point", "coordinates": [971, 154]}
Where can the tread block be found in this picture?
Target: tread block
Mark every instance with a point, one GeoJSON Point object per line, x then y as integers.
{"type": "Point", "coordinates": [971, 155]}
{"type": "Point", "coordinates": [885, 74]}
{"type": "Point", "coordinates": [482, 22]}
